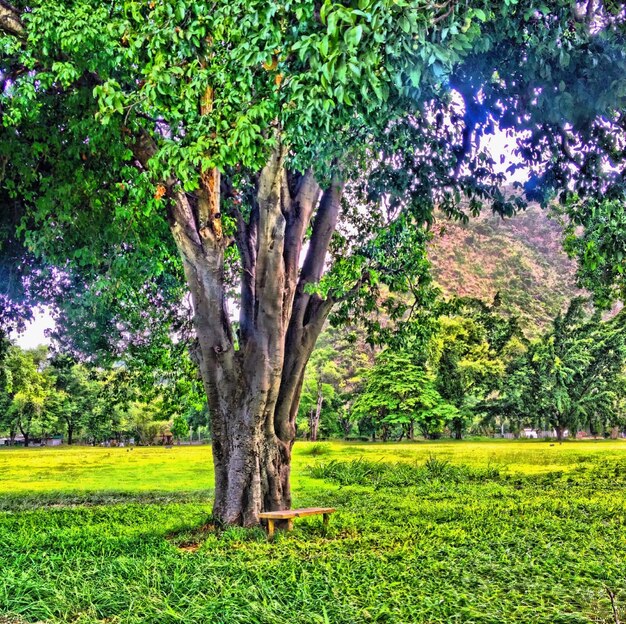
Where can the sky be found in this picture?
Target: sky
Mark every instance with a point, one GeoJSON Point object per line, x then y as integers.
{"type": "Point", "coordinates": [35, 331]}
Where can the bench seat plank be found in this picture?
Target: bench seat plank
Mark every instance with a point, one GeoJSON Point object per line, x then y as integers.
{"type": "Point", "coordinates": [295, 513]}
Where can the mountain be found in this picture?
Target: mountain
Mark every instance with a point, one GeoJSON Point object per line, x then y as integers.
{"type": "Point", "coordinates": [521, 258]}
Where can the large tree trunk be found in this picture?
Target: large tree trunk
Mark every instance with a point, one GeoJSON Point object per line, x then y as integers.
{"type": "Point", "coordinates": [253, 380]}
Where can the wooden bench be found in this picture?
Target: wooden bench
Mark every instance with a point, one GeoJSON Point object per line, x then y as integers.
{"type": "Point", "coordinates": [290, 514]}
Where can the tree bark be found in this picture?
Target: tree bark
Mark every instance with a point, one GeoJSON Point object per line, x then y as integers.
{"type": "Point", "coordinates": [385, 434]}
{"type": "Point", "coordinates": [10, 20]}
{"type": "Point", "coordinates": [25, 431]}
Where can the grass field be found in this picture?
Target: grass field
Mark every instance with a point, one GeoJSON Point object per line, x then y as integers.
{"type": "Point", "coordinates": [476, 532]}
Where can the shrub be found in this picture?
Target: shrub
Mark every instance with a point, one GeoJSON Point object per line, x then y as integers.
{"type": "Point", "coordinates": [316, 449]}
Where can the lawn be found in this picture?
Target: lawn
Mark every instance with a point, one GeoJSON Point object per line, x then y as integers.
{"type": "Point", "coordinates": [481, 532]}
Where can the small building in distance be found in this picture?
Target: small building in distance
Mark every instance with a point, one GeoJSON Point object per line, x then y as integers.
{"type": "Point", "coordinates": [18, 440]}
{"type": "Point", "coordinates": [528, 433]}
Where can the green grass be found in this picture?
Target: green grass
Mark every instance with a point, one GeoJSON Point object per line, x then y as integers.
{"type": "Point", "coordinates": [444, 532]}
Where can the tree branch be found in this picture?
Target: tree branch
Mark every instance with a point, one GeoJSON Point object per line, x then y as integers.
{"type": "Point", "coordinates": [143, 147]}
{"type": "Point", "coordinates": [323, 228]}
{"type": "Point", "coordinates": [298, 219]}
{"type": "Point", "coordinates": [270, 268]}
{"type": "Point", "coordinates": [11, 20]}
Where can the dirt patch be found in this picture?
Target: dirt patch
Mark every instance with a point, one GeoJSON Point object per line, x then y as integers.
{"type": "Point", "coordinates": [14, 619]}
{"type": "Point", "coordinates": [189, 540]}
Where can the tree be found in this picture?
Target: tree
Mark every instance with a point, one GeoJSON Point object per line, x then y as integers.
{"type": "Point", "coordinates": [341, 355]}
{"type": "Point", "coordinates": [6, 380]}
{"type": "Point", "coordinates": [75, 394]}
{"type": "Point", "coordinates": [179, 428]}
{"type": "Point", "coordinates": [321, 385]}
{"type": "Point", "coordinates": [572, 374]}
{"type": "Point", "coordinates": [400, 392]}
{"type": "Point", "coordinates": [263, 133]}
{"type": "Point", "coordinates": [27, 392]}
{"type": "Point", "coordinates": [469, 353]}
{"type": "Point", "coordinates": [599, 247]}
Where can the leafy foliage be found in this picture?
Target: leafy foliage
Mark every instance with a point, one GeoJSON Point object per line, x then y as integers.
{"type": "Point", "coordinates": [41, 396]}
{"type": "Point", "coordinates": [440, 384]}
{"type": "Point", "coordinates": [372, 84]}
{"type": "Point", "coordinates": [400, 392]}
{"type": "Point", "coordinates": [600, 247]}
{"type": "Point", "coordinates": [571, 376]}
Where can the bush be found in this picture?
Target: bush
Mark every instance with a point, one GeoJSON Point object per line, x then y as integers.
{"type": "Point", "coordinates": [316, 449]}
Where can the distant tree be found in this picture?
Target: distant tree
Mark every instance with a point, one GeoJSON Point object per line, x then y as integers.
{"type": "Point", "coordinates": [572, 374]}
{"type": "Point", "coordinates": [432, 422]}
{"type": "Point", "coordinates": [469, 354]}
{"type": "Point", "coordinates": [28, 393]}
{"type": "Point", "coordinates": [332, 378]}
{"type": "Point", "coordinates": [321, 385]}
{"type": "Point", "coordinates": [76, 393]}
{"type": "Point", "coordinates": [399, 392]}
{"type": "Point", "coordinates": [198, 419]}
{"type": "Point", "coordinates": [179, 428]}
{"type": "Point", "coordinates": [6, 381]}
{"type": "Point", "coordinates": [616, 419]}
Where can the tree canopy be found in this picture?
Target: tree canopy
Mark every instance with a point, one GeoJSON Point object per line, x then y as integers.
{"type": "Point", "coordinates": [101, 110]}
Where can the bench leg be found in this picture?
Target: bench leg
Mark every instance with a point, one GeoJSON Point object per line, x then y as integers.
{"type": "Point", "coordinates": [270, 529]}
{"type": "Point", "coordinates": [290, 524]}
{"type": "Point", "coordinates": [325, 520]}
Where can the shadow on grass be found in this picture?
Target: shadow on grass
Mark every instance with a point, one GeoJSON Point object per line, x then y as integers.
{"type": "Point", "coordinates": [31, 501]}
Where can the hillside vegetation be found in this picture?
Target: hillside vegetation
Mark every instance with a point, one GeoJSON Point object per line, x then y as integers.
{"type": "Point", "coordinates": [521, 258]}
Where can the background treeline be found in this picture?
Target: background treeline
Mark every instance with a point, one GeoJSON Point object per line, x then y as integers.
{"type": "Point", "coordinates": [45, 395]}
{"type": "Point", "coordinates": [476, 373]}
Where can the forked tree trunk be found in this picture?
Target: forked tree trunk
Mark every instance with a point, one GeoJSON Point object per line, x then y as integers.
{"type": "Point", "coordinates": [253, 382]}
